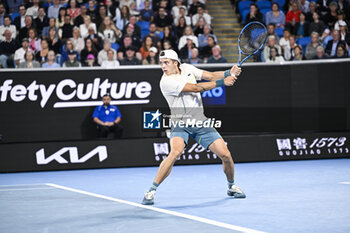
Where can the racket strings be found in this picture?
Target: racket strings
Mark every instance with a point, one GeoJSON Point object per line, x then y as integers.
{"type": "Point", "coordinates": [252, 38]}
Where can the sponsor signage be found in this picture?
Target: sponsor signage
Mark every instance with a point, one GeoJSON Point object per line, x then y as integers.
{"type": "Point", "coordinates": [152, 151]}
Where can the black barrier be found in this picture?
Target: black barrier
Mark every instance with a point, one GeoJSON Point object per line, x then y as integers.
{"type": "Point", "coordinates": [57, 105]}
{"type": "Point", "coordinates": [151, 151]}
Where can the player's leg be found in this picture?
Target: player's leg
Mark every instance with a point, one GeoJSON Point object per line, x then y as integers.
{"type": "Point", "coordinates": [219, 148]}
{"type": "Point", "coordinates": [177, 145]}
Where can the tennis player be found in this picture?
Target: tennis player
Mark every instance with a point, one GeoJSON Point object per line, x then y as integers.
{"type": "Point", "coordinates": [182, 92]}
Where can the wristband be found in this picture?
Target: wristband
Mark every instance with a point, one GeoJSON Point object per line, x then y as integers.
{"type": "Point", "coordinates": [220, 83]}
{"type": "Point", "coordinates": [227, 73]}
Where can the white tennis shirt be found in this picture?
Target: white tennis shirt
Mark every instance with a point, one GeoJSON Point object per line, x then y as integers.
{"type": "Point", "coordinates": [183, 105]}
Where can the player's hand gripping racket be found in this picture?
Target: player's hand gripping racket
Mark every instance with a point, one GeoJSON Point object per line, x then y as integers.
{"type": "Point", "coordinates": [251, 40]}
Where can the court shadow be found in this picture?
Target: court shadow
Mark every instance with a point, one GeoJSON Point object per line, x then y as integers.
{"type": "Point", "coordinates": [199, 205]}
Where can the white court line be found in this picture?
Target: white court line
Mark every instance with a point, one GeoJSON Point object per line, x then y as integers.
{"type": "Point", "coordinates": [12, 185]}
{"type": "Point", "coordinates": [345, 182]}
{"type": "Point", "coordinates": [191, 217]}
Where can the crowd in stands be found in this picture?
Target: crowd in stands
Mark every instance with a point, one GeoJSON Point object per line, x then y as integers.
{"type": "Point", "coordinates": [107, 33]}
{"type": "Point", "coordinates": [300, 29]}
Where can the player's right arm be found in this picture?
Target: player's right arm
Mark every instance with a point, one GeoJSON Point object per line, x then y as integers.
{"type": "Point", "coordinates": [205, 86]}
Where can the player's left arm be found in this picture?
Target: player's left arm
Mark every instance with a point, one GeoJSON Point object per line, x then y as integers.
{"type": "Point", "coordinates": [213, 76]}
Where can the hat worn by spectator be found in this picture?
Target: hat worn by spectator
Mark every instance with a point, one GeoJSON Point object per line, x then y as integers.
{"type": "Point", "coordinates": [342, 23]}
{"type": "Point", "coordinates": [72, 52]}
{"type": "Point", "coordinates": [130, 48]}
{"type": "Point", "coordinates": [333, 4]}
{"type": "Point", "coordinates": [90, 56]}
{"type": "Point", "coordinates": [25, 39]}
{"type": "Point", "coordinates": [153, 49]}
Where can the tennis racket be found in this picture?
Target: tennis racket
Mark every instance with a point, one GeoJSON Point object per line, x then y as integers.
{"type": "Point", "coordinates": [251, 40]}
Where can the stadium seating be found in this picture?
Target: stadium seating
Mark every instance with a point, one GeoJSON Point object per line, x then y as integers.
{"type": "Point", "coordinates": [14, 15]}
{"type": "Point", "coordinates": [264, 5]}
{"type": "Point", "coordinates": [279, 32]}
{"type": "Point", "coordinates": [304, 41]}
{"type": "Point", "coordinates": [243, 5]}
{"type": "Point", "coordinates": [115, 46]}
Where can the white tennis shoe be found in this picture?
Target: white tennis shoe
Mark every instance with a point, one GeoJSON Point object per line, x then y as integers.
{"type": "Point", "coordinates": [236, 192]}
{"type": "Point", "coordinates": [148, 199]}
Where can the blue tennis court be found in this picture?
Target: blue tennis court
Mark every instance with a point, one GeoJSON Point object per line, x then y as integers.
{"type": "Point", "coordinates": [293, 196]}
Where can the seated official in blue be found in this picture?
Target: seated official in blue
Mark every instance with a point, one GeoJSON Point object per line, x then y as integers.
{"type": "Point", "coordinates": [107, 118]}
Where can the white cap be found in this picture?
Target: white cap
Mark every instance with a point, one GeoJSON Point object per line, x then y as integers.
{"type": "Point", "coordinates": [153, 49]}
{"type": "Point", "coordinates": [169, 53]}
{"type": "Point", "coordinates": [342, 23]}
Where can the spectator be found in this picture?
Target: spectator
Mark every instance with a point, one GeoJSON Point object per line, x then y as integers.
{"type": "Point", "coordinates": [275, 16]}
{"type": "Point", "coordinates": [200, 27]}
{"type": "Point", "coordinates": [341, 51]}
{"type": "Point", "coordinates": [182, 13]}
{"type": "Point", "coordinates": [133, 11]}
{"type": "Point", "coordinates": [185, 51]}
{"type": "Point", "coordinates": [130, 31]}
{"type": "Point", "coordinates": [323, 6]}
{"type": "Point", "coordinates": [167, 45]}
{"type": "Point", "coordinates": [203, 38]}
{"type": "Point", "coordinates": [91, 11]}
{"type": "Point", "coordinates": [109, 30]}
{"type": "Point", "coordinates": [77, 40]}
{"type": "Point", "coordinates": [103, 54]}
{"type": "Point", "coordinates": [111, 61]}
{"type": "Point", "coordinates": [293, 17]}
{"type": "Point", "coordinates": [320, 54]}
{"type": "Point", "coordinates": [127, 42]}
{"type": "Point", "coordinates": [303, 5]}
{"type": "Point", "coordinates": [175, 10]}
{"type": "Point", "coordinates": [289, 53]}
{"type": "Point", "coordinates": [188, 32]}
{"type": "Point", "coordinates": [107, 118]}
{"type": "Point", "coordinates": [146, 45]}
{"type": "Point", "coordinates": [298, 51]}
{"type": "Point", "coordinates": [130, 58]}
{"type": "Point", "coordinates": [180, 27]}
{"type": "Point", "coordinates": [65, 52]}
{"type": "Point", "coordinates": [288, 5]}
{"type": "Point", "coordinates": [41, 21]}
{"type": "Point", "coordinates": [311, 47]}
{"type": "Point", "coordinates": [79, 20]}
{"type": "Point", "coordinates": [53, 10]}
{"type": "Point", "coordinates": [123, 19]}
{"type": "Point", "coordinates": [152, 58]}
{"type": "Point", "coordinates": [2, 13]}
{"type": "Point", "coordinates": [274, 57]}
{"type": "Point", "coordinates": [29, 61]}
{"type": "Point", "coordinates": [66, 31]}
{"type": "Point", "coordinates": [271, 32]}
{"type": "Point", "coordinates": [20, 53]}
{"type": "Point", "coordinates": [284, 41]}
{"type": "Point", "coordinates": [309, 14]}
{"type": "Point", "coordinates": [42, 54]}
{"type": "Point", "coordinates": [254, 14]}
{"type": "Point", "coordinates": [72, 9]}
{"type": "Point", "coordinates": [34, 41]}
{"type": "Point", "coordinates": [344, 35]}
{"type": "Point", "coordinates": [102, 13]}
{"type": "Point", "coordinates": [34, 9]}
{"type": "Point", "coordinates": [206, 51]}
{"type": "Point", "coordinates": [61, 16]}
{"type": "Point", "coordinates": [51, 61]}
{"type": "Point", "coordinates": [194, 6]}
{"type": "Point", "coordinates": [168, 35]}
{"type": "Point", "coordinates": [23, 32]}
{"type": "Point", "coordinates": [90, 61]}
{"type": "Point", "coordinates": [84, 28]}
{"type": "Point", "coordinates": [112, 9]}
{"type": "Point", "coordinates": [96, 38]}
{"type": "Point", "coordinates": [332, 45]}
{"type": "Point", "coordinates": [13, 6]}
{"type": "Point", "coordinates": [72, 61]}
{"type": "Point", "coordinates": [7, 26]}
{"type": "Point", "coordinates": [194, 59]}
{"type": "Point", "coordinates": [201, 14]}
{"type": "Point", "coordinates": [216, 57]}
{"type": "Point", "coordinates": [147, 13]}
{"type": "Point", "coordinates": [331, 17]}
{"type": "Point", "coordinates": [302, 28]}
{"type": "Point", "coordinates": [88, 49]}
{"type": "Point", "coordinates": [52, 24]}
{"type": "Point", "coordinates": [341, 18]}
{"type": "Point", "coordinates": [7, 48]}
{"type": "Point", "coordinates": [19, 21]}
{"type": "Point", "coordinates": [271, 43]}
{"type": "Point", "coordinates": [317, 25]}
{"type": "Point", "coordinates": [153, 34]}
{"type": "Point", "coordinates": [137, 29]}
{"type": "Point", "coordinates": [162, 20]}
{"type": "Point", "coordinates": [54, 42]}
